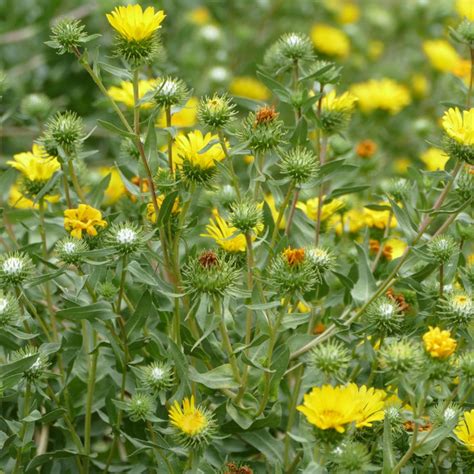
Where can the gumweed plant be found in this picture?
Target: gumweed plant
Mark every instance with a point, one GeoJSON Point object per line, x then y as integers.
{"type": "Point", "coordinates": [244, 289]}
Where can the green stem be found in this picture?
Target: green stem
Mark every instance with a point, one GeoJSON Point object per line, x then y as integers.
{"type": "Point", "coordinates": [67, 193]}
{"type": "Point", "coordinates": [441, 280]}
{"type": "Point", "coordinates": [170, 138]}
{"type": "Point", "coordinates": [281, 213]}
{"type": "Point", "coordinates": [233, 175]}
{"type": "Point", "coordinates": [322, 161]}
{"type": "Point", "coordinates": [24, 425]}
{"type": "Point", "coordinates": [75, 182]}
{"type": "Point", "coordinates": [123, 277]}
{"type": "Point", "coordinates": [292, 211]}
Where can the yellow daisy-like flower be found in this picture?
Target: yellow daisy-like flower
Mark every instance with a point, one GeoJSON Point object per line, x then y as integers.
{"type": "Point", "coordinates": [249, 87]}
{"type": "Point", "coordinates": [465, 8]}
{"type": "Point", "coordinates": [83, 218]}
{"type": "Point", "coordinates": [116, 189]}
{"type": "Point", "coordinates": [369, 403]}
{"type": "Point", "coordinates": [190, 148]}
{"type": "Point", "coordinates": [188, 418]}
{"type": "Point", "coordinates": [348, 13]}
{"type": "Point", "coordinates": [465, 430]}
{"type": "Point", "coordinates": [340, 103]}
{"type": "Point", "coordinates": [124, 93]}
{"type": "Point", "coordinates": [442, 56]}
{"type": "Point", "coordinates": [35, 165]}
{"type": "Point", "coordinates": [394, 248]}
{"type": "Point", "coordinates": [134, 24]}
{"type": "Point", "coordinates": [186, 117]}
{"type": "Point", "coordinates": [311, 208]}
{"type": "Point", "coordinates": [150, 208]}
{"type": "Point", "coordinates": [439, 344]}
{"type": "Point", "coordinates": [459, 126]}
{"type": "Point", "coordinates": [379, 219]}
{"type": "Point", "coordinates": [434, 158]}
{"type": "Point", "coordinates": [384, 94]}
{"type": "Point", "coordinates": [329, 40]}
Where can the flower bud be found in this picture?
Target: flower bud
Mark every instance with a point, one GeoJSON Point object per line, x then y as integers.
{"type": "Point", "coordinates": [140, 407]}
{"type": "Point", "coordinates": [330, 358]}
{"type": "Point", "coordinates": [157, 376]}
{"type": "Point", "coordinates": [36, 106]}
{"type": "Point", "coordinates": [125, 237]}
{"type": "Point", "coordinates": [465, 31]}
{"type": "Point", "coordinates": [37, 369]}
{"type": "Point", "coordinates": [458, 309]}
{"type": "Point", "coordinates": [107, 290]}
{"type": "Point", "coordinates": [399, 357]}
{"type": "Point", "coordinates": [64, 130]}
{"type": "Point", "coordinates": [246, 215]}
{"type": "Point", "coordinates": [216, 112]}
{"type": "Point", "coordinates": [15, 268]}
{"type": "Point", "coordinates": [464, 190]}
{"type": "Point", "coordinates": [71, 250]}
{"type": "Point", "coordinates": [300, 165]}
{"type": "Point", "coordinates": [9, 310]}
{"type": "Point", "coordinates": [466, 365]}
{"type": "Point", "coordinates": [445, 416]}
{"type": "Point", "coordinates": [350, 457]}
{"type": "Point", "coordinates": [384, 315]}
{"type": "Point", "coordinates": [295, 46]}
{"type": "Point", "coordinates": [442, 248]}
{"type": "Point", "coordinates": [170, 91]}
{"type": "Point", "coordinates": [67, 36]}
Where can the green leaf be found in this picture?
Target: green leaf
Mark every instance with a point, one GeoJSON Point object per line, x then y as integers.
{"type": "Point", "coordinates": [114, 129]}
{"type": "Point", "coordinates": [347, 190]}
{"type": "Point", "coordinates": [365, 286]}
{"type": "Point", "coordinates": [220, 377]}
{"type": "Point", "coordinates": [166, 209]}
{"type": "Point", "coordinates": [97, 195]}
{"type": "Point", "coordinates": [263, 442]}
{"type": "Point", "coordinates": [278, 89]}
{"type": "Point", "coordinates": [142, 311]}
{"type": "Point", "coordinates": [388, 455]}
{"type": "Point", "coordinates": [100, 310]}
{"type": "Point", "coordinates": [49, 457]}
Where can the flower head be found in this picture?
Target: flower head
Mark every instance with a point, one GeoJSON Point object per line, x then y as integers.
{"type": "Point", "coordinates": [465, 9]}
{"type": "Point", "coordinates": [15, 268]}
{"type": "Point", "coordinates": [83, 218]}
{"type": "Point", "coordinates": [329, 40]}
{"type": "Point", "coordinates": [71, 250]}
{"type": "Point", "coordinates": [157, 376]}
{"type": "Point", "coordinates": [435, 159]}
{"type": "Point", "coordinates": [441, 55]}
{"type": "Point", "coordinates": [336, 110]}
{"type": "Point", "coordinates": [465, 430]}
{"type": "Point", "coordinates": [124, 92]}
{"type": "Point", "coordinates": [249, 87]}
{"type": "Point", "coordinates": [459, 126]}
{"type": "Point", "coordinates": [226, 236]}
{"type": "Point", "coordinates": [134, 24]}
{"type": "Point", "coordinates": [439, 344]}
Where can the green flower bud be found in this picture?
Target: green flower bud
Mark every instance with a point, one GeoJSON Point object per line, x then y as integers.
{"type": "Point", "coordinates": [71, 250]}
{"type": "Point", "coordinates": [67, 36]}
{"type": "Point", "coordinates": [464, 190]}
{"type": "Point", "coordinates": [442, 248]}
{"type": "Point", "coordinates": [9, 310]}
{"type": "Point", "coordinates": [330, 358]}
{"type": "Point", "coordinates": [140, 407]}
{"type": "Point", "coordinates": [300, 165]}
{"type": "Point", "coordinates": [457, 309]}
{"type": "Point", "coordinates": [350, 457]}
{"type": "Point", "coordinates": [384, 315]}
{"type": "Point", "coordinates": [128, 149]}
{"type": "Point", "coordinates": [164, 180]}
{"type": "Point", "coordinates": [157, 376]}
{"type": "Point", "coordinates": [246, 215]}
{"type": "Point", "coordinates": [394, 417]}
{"type": "Point", "coordinates": [400, 357]}
{"type": "Point", "coordinates": [15, 268]}
{"type": "Point", "coordinates": [396, 188]}
{"type": "Point", "coordinates": [107, 290]}
{"type": "Point", "coordinates": [465, 31]}
{"type": "Point", "coordinates": [137, 53]}
{"type": "Point", "coordinates": [296, 47]}
{"type": "Point", "coordinates": [325, 72]}
{"type": "Point", "coordinates": [125, 237]}
{"type": "Point", "coordinates": [64, 130]}
{"type": "Point", "coordinates": [441, 416]}
{"type": "Point", "coordinates": [466, 365]}
{"type": "Point", "coordinates": [216, 112]}
{"type": "Point", "coordinates": [459, 151]}
{"type": "Point", "coordinates": [36, 106]}
{"type": "Point", "coordinates": [170, 92]}
{"type": "Point", "coordinates": [37, 369]}
{"type": "Point", "coordinates": [322, 259]}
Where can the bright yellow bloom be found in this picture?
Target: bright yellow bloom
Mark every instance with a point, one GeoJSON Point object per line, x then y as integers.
{"type": "Point", "coordinates": [465, 430]}
{"type": "Point", "coordinates": [83, 218]}
{"type": "Point", "coordinates": [442, 56]}
{"type": "Point", "coordinates": [18, 200]}
{"type": "Point", "coordinates": [465, 8]}
{"type": "Point", "coordinates": [434, 158]}
{"type": "Point", "coordinates": [188, 418]}
{"type": "Point", "coordinates": [394, 248]}
{"type": "Point", "coordinates": [459, 126]}
{"type": "Point", "coordinates": [134, 24]}
{"type": "Point", "coordinates": [327, 210]}
{"type": "Point", "coordinates": [124, 93]}
{"type": "Point", "coordinates": [116, 188]}
{"type": "Point", "coordinates": [35, 165]}
{"type": "Point", "coordinates": [379, 219]}
{"type": "Point", "coordinates": [351, 221]}
{"type": "Point", "coordinates": [200, 16]}
{"type": "Point", "coordinates": [225, 236]}
{"type": "Point", "coordinates": [439, 344]}
{"type": "Point", "coordinates": [186, 117]}
{"type": "Point", "coordinates": [249, 87]}
{"type": "Point", "coordinates": [270, 200]}
{"type": "Point", "coordinates": [340, 103]}
{"type": "Point", "coordinates": [384, 94]}
{"type": "Point", "coordinates": [150, 208]}
{"type": "Point", "coordinates": [329, 40]}
{"type": "Point", "coordinates": [400, 165]}
{"type": "Point", "coordinates": [348, 13]}
{"type": "Point", "coordinates": [189, 147]}
{"type": "Point", "coordinates": [330, 407]}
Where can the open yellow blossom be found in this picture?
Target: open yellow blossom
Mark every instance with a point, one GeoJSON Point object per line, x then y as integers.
{"type": "Point", "coordinates": [188, 418]}
{"type": "Point", "coordinates": [442, 56]}
{"type": "Point", "coordinates": [439, 344]}
{"type": "Point", "coordinates": [369, 403]}
{"type": "Point", "coordinates": [186, 117]}
{"type": "Point", "coordinates": [394, 248]}
{"type": "Point", "coordinates": [35, 165]}
{"type": "Point", "coordinates": [465, 430]}
{"type": "Point", "coordinates": [134, 24]}
{"type": "Point", "coordinates": [249, 87]}
{"type": "Point", "coordinates": [384, 94]}
{"type": "Point", "coordinates": [191, 148]}
{"type": "Point", "coordinates": [84, 218]}
{"type": "Point", "coordinates": [465, 8]}
{"type": "Point", "coordinates": [459, 126]}
{"type": "Point", "coordinates": [330, 41]}
{"type": "Point", "coordinates": [18, 200]}
{"type": "Point", "coordinates": [434, 158]}
{"type": "Point", "coordinates": [341, 103]}
{"type": "Point", "coordinates": [225, 236]}
{"type": "Point", "coordinates": [124, 92]}
{"type": "Point", "coordinates": [327, 210]}
{"type": "Point", "coordinates": [116, 188]}
{"type": "Point", "coordinates": [379, 219]}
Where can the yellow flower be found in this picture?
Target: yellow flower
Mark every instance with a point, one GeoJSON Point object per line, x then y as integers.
{"type": "Point", "coordinates": [116, 189]}
{"type": "Point", "coordinates": [226, 236]}
{"type": "Point", "coordinates": [327, 210]}
{"type": "Point", "coordinates": [394, 248]}
{"type": "Point", "coordinates": [442, 56]}
{"type": "Point", "coordinates": [189, 147]}
{"type": "Point", "coordinates": [400, 165]}
{"type": "Point", "coordinates": [379, 219]}
{"type": "Point", "coordinates": [348, 13]}
{"type": "Point", "coordinates": [35, 165]}
{"type": "Point", "coordinates": [465, 8]}
{"type": "Point", "coordinates": [342, 103]}
{"type": "Point", "coordinates": [186, 117]}
{"type": "Point", "coordinates": [83, 218]}
{"type": "Point", "coordinates": [249, 87]}
{"type": "Point", "coordinates": [330, 407]}
{"type": "Point", "coordinates": [465, 430]}
{"type": "Point", "coordinates": [439, 344]}
{"type": "Point", "coordinates": [434, 158]}
{"type": "Point", "coordinates": [420, 85]}
{"type": "Point", "coordinates": [150, 208]}
{"type": "Point", "coordinates": [200, 16]}
{"type": "Point", "coordinates": [124, 93]}
{"type": "Point", "coordinates": [134, 24]}
{"type": "Point", "coordinates": [384, 94]}
{"type": "Point", "coordinates": [18, 200]}
{"type": "Point", "coordinates": [188, 418]}
{"type": "Point", "coordinates": [459, 127]}
{"type": "Point", "coordinates": [329, 40]}
{"type": "Point", "coordinates": [270, 200]}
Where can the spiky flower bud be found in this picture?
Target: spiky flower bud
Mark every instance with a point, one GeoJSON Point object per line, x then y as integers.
{"type": "Point", "coordinates": [458, 309]}
{"type": "Point", "coordinates": [15, 268]}
{"type": "Point", "coordinates": [68, 35]}
{"type": "Point", "coordinates": [295, 46]}
{"type": "Point", "coordinates": [71, 250]}
{"type": "Point", "coordinates": [157, 376]}
{"type": "Point", "coordinates": [263, 130]}
{"type": "Point", "coordinates": [128, 149]}
{"type": "Point", "coordinates": [325, 72]}
{"type": "Point", "coordinates": [445, 416]}
{"type": "Point", "coordinates": [396, 188]}
{"type": "Point", "coordinates": [37, 369]}
{"type": "Point", "coordinates": [170, 91]}
{"type": "Point", "coordinates": [400, 356]}
{"type": "Point", "coordinates": [210, 273]}
{"type": "Point", "coordinates": [125, 237]}
{"type": "Point", "coordinates": [465, 186]}
{"type": "Point", "coordinates": [394, 417]}
{"type": "Point", "coordinates": [36, 106]}
{"type": "Point", "coordinates": [300, 165]}
{"type": "Point", "coordinates": [140, 407]}
{"type": "Point", "coordinates": [384, 315]}
{"type": "Point", "coordinates": [350, 457]}
{"type": "Point", "coordinates": [107, 290]}
{"type": "Point", "coordinates": [465, 31]}
{"type": "Point", "coordinates": [64, 130]}
{"type": "Point", "coordinates": [322, 259]}
{"type": "Point", "coordinates": [442, 248]}
{"type": "Point", "coordinates": [246, 215]}
{"type": "Point", "coordinates": [216, 111]}
{"type": "Point", "coordinates": [330, 358]}
{"type": "Point", "coordinates": [9, 310]}
{"type": "Point", "coordinates": [466, 365]}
